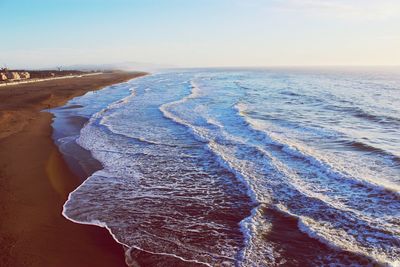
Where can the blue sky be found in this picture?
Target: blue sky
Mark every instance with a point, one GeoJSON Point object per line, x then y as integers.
{"type": "Point", "coordinates": [39, 33]}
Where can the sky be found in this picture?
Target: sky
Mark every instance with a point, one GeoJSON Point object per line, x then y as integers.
{"type": "Point", "coordinates": [200, 33]}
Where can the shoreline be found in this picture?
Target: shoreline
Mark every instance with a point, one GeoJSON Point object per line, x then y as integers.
{"type": "Point", "coordinates": [33, 231]}
{"type": "Point", "coordinates": [68, 122]}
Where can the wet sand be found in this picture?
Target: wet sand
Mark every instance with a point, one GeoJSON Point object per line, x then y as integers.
{"type": "Point", "coordinates": [35, 181]}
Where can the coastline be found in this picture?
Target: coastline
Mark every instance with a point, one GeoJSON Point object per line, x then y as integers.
{"type": "Point", "coordinates": [36, 180]}
{"type": "Point", "coordinates": [68, 121]}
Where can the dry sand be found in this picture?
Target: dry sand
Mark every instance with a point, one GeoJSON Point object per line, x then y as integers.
{"type": "Point", "coordinates": [35, 181]}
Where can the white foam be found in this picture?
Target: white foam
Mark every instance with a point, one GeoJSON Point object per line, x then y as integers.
{"type": "Point", "coordinates": [207, 135]}
{"type": "Point", "coordinates": [266, 166]}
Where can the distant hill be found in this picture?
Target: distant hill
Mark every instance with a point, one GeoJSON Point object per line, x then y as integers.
{"type": "Point", "coordinates": [127, 66]}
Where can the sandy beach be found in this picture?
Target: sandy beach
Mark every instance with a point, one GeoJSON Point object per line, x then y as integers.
{"type": "Point", "coordinates": [35, 181]}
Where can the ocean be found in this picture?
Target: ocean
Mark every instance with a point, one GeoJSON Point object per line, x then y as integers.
{"type": "Point", "coordinates": [243, 167]}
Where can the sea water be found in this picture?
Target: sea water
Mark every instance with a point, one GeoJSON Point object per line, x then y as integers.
{"type": "Point", "coordinates": [245, 167]}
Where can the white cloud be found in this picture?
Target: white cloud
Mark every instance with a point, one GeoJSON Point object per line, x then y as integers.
{"type": "Point", "coordinates": [370, 9]}
{"type": "Point", "coordinates": [358, 9]}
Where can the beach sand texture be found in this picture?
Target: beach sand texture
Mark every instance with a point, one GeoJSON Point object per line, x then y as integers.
{"type": "Point", "coordinates": [35, 181]}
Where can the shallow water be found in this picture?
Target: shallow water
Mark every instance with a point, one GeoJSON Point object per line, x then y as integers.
{"type": "Point", "coordinates": [258, 167]}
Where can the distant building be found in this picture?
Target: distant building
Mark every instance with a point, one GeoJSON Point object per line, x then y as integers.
{"type": "Point", "coordinates": [13, 76]}
{"type": "Point", "coordinates": [6, 75]}
{"type": "Point", "coordinates": [24, 75]}
{"type": "Point", "coordinates": [3, 76]}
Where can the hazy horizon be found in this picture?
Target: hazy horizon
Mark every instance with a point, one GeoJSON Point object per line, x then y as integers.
{"type": "Point", "coordinates": [226, 33]}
